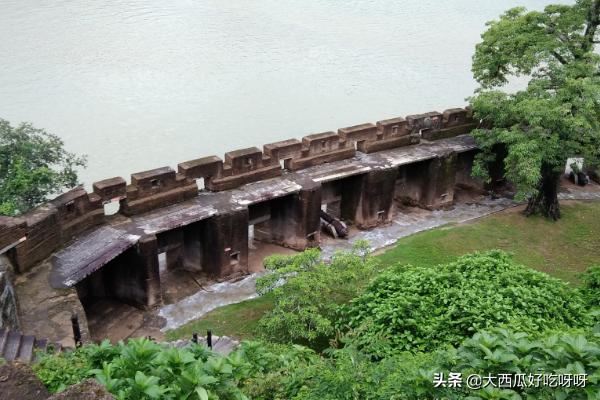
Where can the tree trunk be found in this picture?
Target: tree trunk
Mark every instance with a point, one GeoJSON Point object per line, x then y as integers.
{"type": "Point", "coordinates": [546, 200]}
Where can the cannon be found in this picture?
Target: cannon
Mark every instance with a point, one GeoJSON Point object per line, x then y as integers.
{"type": "Point", "coordinates": [333, 226]}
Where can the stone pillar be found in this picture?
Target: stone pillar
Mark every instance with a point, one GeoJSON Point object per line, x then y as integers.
{"type": "Point", "coordinates": [147, 253]}
{"type": "Point", "coordinates": [308, 228]}
{"type": "Point", "coordinates": [295, 220]}
{"type": "Point", "coordinates": [171, 242]}
{"type": "Point", "coordinates": [376, 199]}
{"type": "Point", "coordinates": [175, 258]}
{"type": "Point", "coordinates": [464, 171]}
{"type": "Point", "coordinates": [292, 221]}
{"type": "Point", "coordinates": [225, 243]}
{"type": "Point", "coordinates": [441, 178]}
{"type": "Point", "coordinates": [192, 246]}
{"type": "Point", "coordinates": [135, 279]}
{"type": "Point", "coordinates": [350, 190]}
{"type": "Point", "coordinates": [496, 167]}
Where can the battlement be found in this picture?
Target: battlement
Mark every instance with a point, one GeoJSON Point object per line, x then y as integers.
{"type": "Point", "coordinates": [112, 189]}
{"type": "Point", "coordinates": [34, 236]}
{"type": "Point", "coordinates": [156, 188]}
{"type": "Point", "coordinates": [49, 226]}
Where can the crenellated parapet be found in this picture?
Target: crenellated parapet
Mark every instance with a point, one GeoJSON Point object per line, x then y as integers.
{"type": "Point", "coordinates": [455, 121]}
{"type": "Point", "coordinates": [243, 166]}
{"type": "Point", "coordinates": [156, 188]}
{"type": "Point", "coordinates": [55, 223]}
{"type": "Point", "coordinates": [112, 189]}
{"type": "Point", "coordinates": [34, 236]}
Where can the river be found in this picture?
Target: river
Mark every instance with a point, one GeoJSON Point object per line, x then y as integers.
{"type": "Point", "coordinates": [140, 84]}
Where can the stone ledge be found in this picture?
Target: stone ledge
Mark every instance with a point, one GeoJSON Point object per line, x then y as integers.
{"type": "Point", "coordinates": [337, 155]}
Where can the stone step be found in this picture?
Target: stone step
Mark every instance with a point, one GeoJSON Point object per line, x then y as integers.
{"type": "Point", "coordinates": [26, 350]}
{"type": "Point", "coordinates": [16, 346]}
{"type": "Point", "coordinates": [13, 343]}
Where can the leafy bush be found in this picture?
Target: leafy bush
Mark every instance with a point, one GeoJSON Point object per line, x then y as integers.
{"type": "Point", "coordinates": [281, 267]}
{"type": "Point", "coordinates": [61, 371]}
{"type": "Point", "coordinates": [591, 286]}
{"type": "Point", "coordinates": [504, 352]}
{"type": "Point", "coordinates": [346, 374]}
{"type": "Point", "coordinates": [350, 374]}
{"type": "Point", "coordinates": [143, 369]}
{"type": "Point", "coordinates": [266, 371]}
{"type": "Point", "coordinates": [306, 305]}
{"type": "Point", "coordinates": [415, 309]}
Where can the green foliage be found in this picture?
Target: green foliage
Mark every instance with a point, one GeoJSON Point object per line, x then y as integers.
{"type": "Point", "coordinates": [416, 308]}
{"type": "Point", "coordinates": [266, 371]}
{"type": "Point", "coordinates": [60, 372]}
{"type": "Point", "coordinates": [306, 306]}
{"type": "Point", "coordinates": [521, 42]}
{"type": "Point", "coordinates": [558, 114]}
{"type": "Point", "coordinates": [500, 351]}
{"type": "Point", "coordinates": [350, 374]}
{"type": "Point", "coordinates": [591, 286]}
{"type": "Point", "coordinates": [276, 369]}
{"type": "Point", "coordinates": [143, 369]}
{"type": "Point", "coordinates": [345, 374]}
{"type": "Point", "coordinates": [33, 165]}
{"type": "Point", "coordinates": [281, 267]}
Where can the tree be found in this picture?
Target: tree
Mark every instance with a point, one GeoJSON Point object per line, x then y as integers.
{"type": "Point", "coordinates": [557, 115]}
{"type": "Point", "coordinates": [33, 165]}
{"type": "Point", "coordinates": [308, 292]}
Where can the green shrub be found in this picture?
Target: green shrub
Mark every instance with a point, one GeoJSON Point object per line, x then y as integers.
{"type": "Point", "coordinates": [416, 309]}
{"type": "Point", "coordinates": [500, 351]}
{"type": "Point", "coordinates": [143, 369]}
{"type": "Point", "coordinates": [591, 286]}
{"type": "Point", "coordinates": [350, 374]}
{"type": "Point", "coordinates": [58, 372]}
{"type": "Point", "coordinates": [308, 293]}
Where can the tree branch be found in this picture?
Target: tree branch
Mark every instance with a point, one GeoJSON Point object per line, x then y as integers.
{"type": "Point", "coordinates": [593, 20]}
{"type": "Point", "coordinates": [560, 58]}
{"type": "Point", "coordinates": [552, 30]}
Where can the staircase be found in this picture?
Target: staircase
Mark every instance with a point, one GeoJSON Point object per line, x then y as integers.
{"type": "Point", "coordinates": [16, 346]}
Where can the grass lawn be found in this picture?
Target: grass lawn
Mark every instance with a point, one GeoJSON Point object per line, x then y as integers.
{"type": "Point", "coordinates": [563, 249]}
{"type": "Point", "coordinates": [235, 320]}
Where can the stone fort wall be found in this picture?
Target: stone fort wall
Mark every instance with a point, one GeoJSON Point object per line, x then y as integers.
{"type": "Point", "coordinates": [34, 236]}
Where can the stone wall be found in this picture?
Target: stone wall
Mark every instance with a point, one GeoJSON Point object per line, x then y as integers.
{"type": "Point", "coordinates": [51, 225]}
{"type": "Point", "coordinates": [36, 235]}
